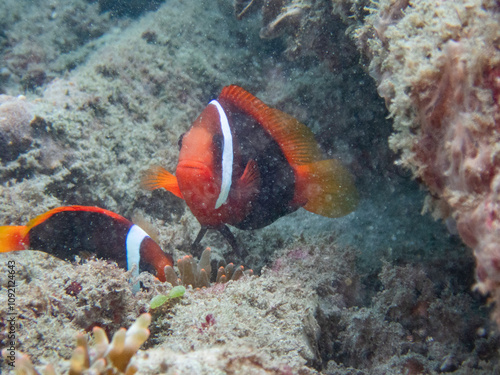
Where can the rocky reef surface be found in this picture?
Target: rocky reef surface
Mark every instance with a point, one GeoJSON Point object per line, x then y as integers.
{"type": "Point", "coordinates": [93, 94]}
{"type": "Point", "coordinates": [438, 69]}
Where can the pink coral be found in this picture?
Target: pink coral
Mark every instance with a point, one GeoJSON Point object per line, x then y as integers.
{"type": "Point", "coordinates": [438, 67]}
{"type": "Point", "coordinates": [458, 154]}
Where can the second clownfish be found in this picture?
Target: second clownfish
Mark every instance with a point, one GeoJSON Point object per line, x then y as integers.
{"type": "Point", "coordinates": [246, 164]}
{"type": "Point", "coordinates": [69, 230]}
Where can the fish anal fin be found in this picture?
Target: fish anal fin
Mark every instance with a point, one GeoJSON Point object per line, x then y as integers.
{"type": "Point", "coordinates": [249, 183]}
{"type": "Point", "coordinates": [13, 238]}
{"type": "Point", "coordinates": [326, 188]}
{"type": "Point", "coordinates": [158, 177]}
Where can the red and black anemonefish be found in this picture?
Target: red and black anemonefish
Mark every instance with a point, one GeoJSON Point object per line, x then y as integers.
{"type": "Point", "coordinates": [246, 164]}
{"type": "Point", "coordinates": [67, 231]}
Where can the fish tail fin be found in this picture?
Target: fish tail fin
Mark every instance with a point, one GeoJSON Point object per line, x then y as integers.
{"type": "Point", "coordinates": [326, 188]}
{"type": "Point", "coordinates": [13, 238]}
{"type": "Point", "coordinates": [158, 177]}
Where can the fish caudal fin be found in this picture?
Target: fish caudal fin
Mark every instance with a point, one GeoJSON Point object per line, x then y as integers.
{"type": "Point", "coordinates": [157, 177]}
{"type": "Point", "coordinates": [326, 187]}
{"type": "Point", "coordinates": [13, 238]}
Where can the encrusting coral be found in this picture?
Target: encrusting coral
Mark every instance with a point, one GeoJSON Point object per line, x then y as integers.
{"type": "Point", "coordinates": [103, 358]}
{"type": "Point", "coordinates": [438, 67]}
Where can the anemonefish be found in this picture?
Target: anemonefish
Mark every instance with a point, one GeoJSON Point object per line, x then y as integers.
{"type": "Point", "coordinates": [67, 231]}
{"type": "Point", "coordinates": [246, 164]}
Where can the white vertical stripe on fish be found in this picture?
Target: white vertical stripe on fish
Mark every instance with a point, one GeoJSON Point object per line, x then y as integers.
{"type": "Point", "coordinates": [135, 236]}
{"type": "Point", "coordinates": [227, 156]}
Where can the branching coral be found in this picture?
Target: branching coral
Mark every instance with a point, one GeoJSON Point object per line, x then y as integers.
{"type": "Point", "coordinates": [103, 358]}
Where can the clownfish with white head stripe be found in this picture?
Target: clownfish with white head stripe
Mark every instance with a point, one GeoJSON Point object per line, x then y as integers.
{"type": "Point", "coordinates": [69, 230]}
{"type": "Point", "coordinates": [246, 164]}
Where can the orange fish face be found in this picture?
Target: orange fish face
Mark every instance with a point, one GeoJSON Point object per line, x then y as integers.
{"type": "Point", "coordinates": [200, 173]}
{"type": "Point", "coordinates": [200, 189]}
{"type": "Point", "coordinates": [197, 147]}
{"type": "Point", "coordinates": [198, 170]}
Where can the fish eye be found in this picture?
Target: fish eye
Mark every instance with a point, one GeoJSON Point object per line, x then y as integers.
{"type": "Point", "coordinates": [179, 142]}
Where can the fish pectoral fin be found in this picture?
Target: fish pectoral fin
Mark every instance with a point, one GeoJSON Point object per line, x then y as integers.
{"type": "Point", "coordinates": [326, 188]}
{"type": "Point", "coordinates": [249, 183]}
{"type": "Point", "coordinates": [13, 238]}
{"type": "Point", "coordinates": [158, 177]}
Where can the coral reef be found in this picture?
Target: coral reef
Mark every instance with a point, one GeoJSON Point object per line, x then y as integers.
{"type": "Point", "coordinates": [323, 315]}
{"type": "Point", "coordinates": [103, 358]}
{"type": "Point", "coordinates": [52, 293]}
{"type": "Point", "coordinates": [43, 39]}
{"type": "Point", "coordinates": [328, 290]}
{"type": "Point", "coordinates": [438, 69]}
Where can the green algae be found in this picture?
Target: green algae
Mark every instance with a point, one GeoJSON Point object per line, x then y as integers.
{"type": "Point", "coordinates": [159, 300]}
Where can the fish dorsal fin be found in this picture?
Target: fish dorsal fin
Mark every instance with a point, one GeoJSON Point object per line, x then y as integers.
{"type": "Point", "coordinates": [294, 138]}
{"type": "Point", "coordinates": [158, 177]}
{"type": "Point", "coordinates": [41, 218]}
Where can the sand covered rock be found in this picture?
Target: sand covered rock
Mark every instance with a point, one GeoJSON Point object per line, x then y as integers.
{"type": "Point", "coordinates": [306, 314]}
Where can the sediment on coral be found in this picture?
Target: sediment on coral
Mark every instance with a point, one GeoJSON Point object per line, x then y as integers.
{"type": "Point", "coordinates": [52, 293]}
{"type": "Point", "coordinates": [31, 58]}
{"type": "Point", "coordinates": [322, 312]}
{"type": "Point", "coordinates": [437, 66]}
